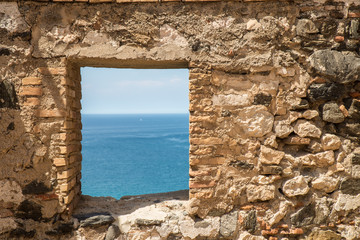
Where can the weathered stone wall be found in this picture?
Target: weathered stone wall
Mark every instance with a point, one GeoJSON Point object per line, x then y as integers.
{"type": "Point", "coordinates": [274, 112]}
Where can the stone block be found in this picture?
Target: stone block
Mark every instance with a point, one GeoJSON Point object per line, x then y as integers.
{"type": "Point", "coordinates": [66, 174]}
{"type": "Point", "coordinates": [207, 161]}
{"type": "Point", "coordinates": [54, 113]}
{"type": "Point", "coordinates": [260, 193]}
{"type": "Point", "coordinates": [296, 186]}
{"type": "Point", "coordinates": [32, 101]}
{"type": "Point", "coordinates": [270, 156]}
{"type": "Point", "coordinates": [59, 162]}
{"type": "Point", "coordinates": [30, 91]}
{"type": "Point", "coordinates": [31, 81]}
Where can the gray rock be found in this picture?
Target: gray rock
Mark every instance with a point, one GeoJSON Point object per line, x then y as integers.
{"type": "Point", "coordinates": [350, 186]}
{"type": "Point", "coordinates": [355, 160]}
{"type": "Point", "coordinates": [332, 113]}
{"type": "Point", "coordinates": [96, 221]}
{"type": "Point", "coordinates": [112, 233]}
{"type": "Point", "coordinates": [228, 224]}
{"type": "Point", "coordinates": [304, 27]}
{"type": "Point", "coordinates": [304, 216]}
{"type": "Point", "coordinates": [339, 67]}
{"type": "Point", "coordinates": [147, 222]}
{"type": "Point", "coordinates": [354, 29]}
{"type": "Point", "coordinates": [270, 169]}
{"type": "Point", "coordinates": [262, 99]}
{"type": "Point", "coordinates": [323, 235]}
{"type": "Point", "coordinates": [354, 109]}
{"type": "Point", "coordinates": [250, 222]}
{"type": "Point", "coordinates": [8, 97]}
{"type": "Point", "coordinates": [325, 91]}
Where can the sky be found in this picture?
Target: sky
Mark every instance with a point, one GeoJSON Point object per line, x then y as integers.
{"type": "Point", "coordinates": [123, 91]}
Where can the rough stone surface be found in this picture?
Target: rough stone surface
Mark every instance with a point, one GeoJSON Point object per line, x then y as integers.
{"type": "Point", "coordinates": [305, 27]}
{"type": "Point", "coordinates": [228, 224]}
{"type": "Point", "coordinates": [324, 235]}
{"type": "Point", "coordinates": [325, 91]}
{"type": "Point", "coordinates": [96, 221]}
{"type": "Point", "coordinates": [296, 186]}
{"type": "Point", "coordinates": [260, 193]}
{"type": "Point", "coordinates": [340, 67]}
{"type": "Point", "coordinates": [270, 156]}
{"type": "Point", "coordinates": [304, 216]}
{"type": "Point", "coordinates": [305, 128]}
{"type": "Point", "coordinates": [254, 121]}
{"type": "Point", "coordinates": [310, 114]}
{"type": "Point", "coordinates": [325, 183]}
{"type": "Point", "coordinates": [330, 142]}
{"type": "Point", "coordinates": [332, 113]}
{"type": "Point", "coordinates": [112, 233]}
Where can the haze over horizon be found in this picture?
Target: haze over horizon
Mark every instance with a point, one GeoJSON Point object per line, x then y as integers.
{"type": "Point", "coordinates": [134, 91]}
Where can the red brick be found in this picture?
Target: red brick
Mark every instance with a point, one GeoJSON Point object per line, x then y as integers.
{"type": "Point", "coordinates": [269, 232]}
{"type": "Point", "coordinates": [354, 15]}
{"type": "Point", "coordinates": [31, 81]}
{"type": "Point", "coordinates": [45, 197]}
{"type": "Point", "coordinates": [339, 39]}
{"type": "Point", "coordinates": [30, 91]}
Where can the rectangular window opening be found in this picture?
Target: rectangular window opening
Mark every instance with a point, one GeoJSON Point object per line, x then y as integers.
{"type": "Point", "coordinates": [135, 131]}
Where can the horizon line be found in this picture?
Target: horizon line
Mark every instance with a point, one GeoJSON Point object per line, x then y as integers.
{"type": "Point", "coordinates": [133, 113]}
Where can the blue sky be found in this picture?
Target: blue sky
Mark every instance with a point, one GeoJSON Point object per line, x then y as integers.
{"type": "Point", "coordinates": [118, 91]}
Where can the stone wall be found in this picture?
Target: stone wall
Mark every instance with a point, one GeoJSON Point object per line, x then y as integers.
{"type": "Point", "coordinates": [274, 112]}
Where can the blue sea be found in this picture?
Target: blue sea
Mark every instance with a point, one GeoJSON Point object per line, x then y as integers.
{"type": "Point", "coordinates": [131, 154]}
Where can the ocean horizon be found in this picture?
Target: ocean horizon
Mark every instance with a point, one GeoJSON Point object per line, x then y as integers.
{"type": "Point", "coordinates": [133, 154]}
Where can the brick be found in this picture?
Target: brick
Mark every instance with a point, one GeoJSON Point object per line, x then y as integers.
{"type": "Point", "coordinates": [199, 173]}
{"type": "Point", "coordinates": [30, 91]}
{"type": "Point", "coordinates": [69, 198]}
{"type": "Point", "coordinates": [59, 162]}
{"type": "Point", "coordinates": [68, 186]}
{"type": "Point", "coordinates": [206, 141]}
{"type": "Point", "coordinates": [125, 1]}
{"type": "Point", "coordinates": [31, 101]}
{"type": "Point", "coordinates": [65, 174]}
{"type": "Point", "coordinates": [207, 161]}
{"type": "Point", "coordinates": [54, 113]}
{"type": "Point", "coordinates": [46, 197]}
{"type": "Point", "coordinates": [81, 0]}
{"type": "Point", "coordinates": [202, 119]}
{"type": "Point", "coordinates": [339, 39]}
{"type": "Point", "coordinates": [193, 184]}
{"type": "Point", "coordinates": [31, 81]}
{"type": "Point", "coordinates": [62, 0]}
{"type": "Point", "coordinates": [269, 232]}
{"type": "Point", "coordinates": [354, 15]}
{"type": "Point", "coordinates": [69, 125]}
{"type": "Point", "coordinates": [62, 150]}
{"type": "Point", "coordinates": [52, 71]}
{"type": "Point", "coordinates": [100, 1]}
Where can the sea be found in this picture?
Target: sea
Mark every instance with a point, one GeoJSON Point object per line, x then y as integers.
{"type": "Point", "coordinates": [133, 154]}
